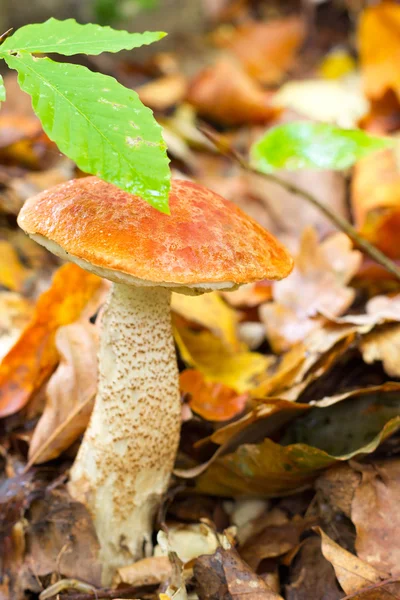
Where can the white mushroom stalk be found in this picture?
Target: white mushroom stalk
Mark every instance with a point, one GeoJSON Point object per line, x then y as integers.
{"type": "Point", "coordinates": [128, 451]}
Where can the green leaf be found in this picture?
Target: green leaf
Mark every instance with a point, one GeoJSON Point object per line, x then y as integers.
{"type": "Point", "coordinates": [99, 124]}
{"type": "Point", "coordinates": [2, 90]}
{"type": "Point", "coordinates": [69, 37]}
{"type": "Point", "coordinates": [306, 145]}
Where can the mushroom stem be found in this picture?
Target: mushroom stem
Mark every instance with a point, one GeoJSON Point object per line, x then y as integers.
{"type": "Point", "coordinates": [128, 451]}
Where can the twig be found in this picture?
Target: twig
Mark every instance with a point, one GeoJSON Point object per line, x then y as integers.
{"type": "Point", "coordinates": [372, 251]}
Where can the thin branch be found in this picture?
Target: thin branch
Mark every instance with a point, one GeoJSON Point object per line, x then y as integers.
{"type": "Point", "coordinates": [110, 594]}
{"type": "Point", "coordinates": [372, 251]}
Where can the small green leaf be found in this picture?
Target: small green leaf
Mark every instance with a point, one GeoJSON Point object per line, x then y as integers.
{"type": "Point", "coordinates": [307, 145]}
{"type": "Point", "coordinates": [2, 90]}
{"type": "Point", "coordinates": [99, 124]}
{"type": "Point", "coordinates": [69, 37]}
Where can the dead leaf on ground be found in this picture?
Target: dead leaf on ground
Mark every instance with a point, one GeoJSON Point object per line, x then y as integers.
{"type": "Point", "coordinates": [272, 541]}
{"type": "Point", "coordinates": [15, 314]}
{"type": "Point", "coordinates": [311, 575]}
{"type": "Point", "coordinates": [321, 272]}
{"type": "Point", "coordinates": [375, 197]}
{"type": "Point", "coordinates": [249, 295]}
{"type": "Point", "coordinates": [70, 393]}
{"type": "Point", "coordinates": [163, 93]}
{"type": "Point", "coordinates": [60, 531]}
{"type": "Point", "coordinates": [383, 345]}
{"type": "Point", "coordinates": [353, 573]}
{"type": "Point", "coordinates": [266, 49]}
{"type": "Point", "coordinates": [225, 575]}
{"type": "Point", "coordinates": [13, 274]}
{"type": "Point", "coordinates": [379, 45]}
{"type": "Point", "coordinates": [376, 517]}
{"type": "Point", "coordinates": [212, 401]}
{"type": "Point", "coordinates": [211, 312]}
{"type": "Point", "coordinates": [238, 370]}
{"type": "Point", "coordinates": [226, 94]}
{"type": "Point", "coordinates": [339, 102]}
{"type": "Point", "coordinates": [34, 356]}
{"type": "Point", "coordinates": [147, 571]}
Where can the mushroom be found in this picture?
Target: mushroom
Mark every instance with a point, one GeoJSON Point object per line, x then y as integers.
{"type": "Point", "coordinates": [127, 454]}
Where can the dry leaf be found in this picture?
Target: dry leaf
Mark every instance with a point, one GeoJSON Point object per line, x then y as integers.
{"type": "Point", "coordinates": [227, 95]}
{"type": "Point", "coordinates": [338, 102]}
{"type": "Point", "coordinates": [379, 44]}
{"type": "Point", "coordinates": [210, 311]}
{"type": "Point", "coordinates": [70, 393]}
{"type": "Point", "coordinates": [34, 356]}
{"type": "Point", "coordinates": [238, 370]}
{"type": "Point", "coordinates": [266, 50]}
{"type": "Point", "coordinates": [163, 93]}
{"type": "Point", "coordinates": [375, 197]}
{"type": "Point", "coordinates": [383, 344]}
{"type": "Point", "coordinates": [311, 575]}
{"type": "Point", "coordinates": [321, 272]}
{"type": "Point", "coordinates": [249, 295]}
{"type": "Point", "coordinates": [61, 539]}
{"type": "Point", "coordinates": [376, 517]}
{"type": "Point", "coordinates": [225, 575]}
{"type": "Point", "coordinates": [212, 401]}
{"type": "Point", "coordinates": [148, 571]}
{"type": "Point", "coordinates": [272, 541]}
{"type": "Point", "coordinates": [15, 314]}
{"type": "Point", "coordinates": [12, 273]}
{"type": "Point", "coordinates": [352, 572]}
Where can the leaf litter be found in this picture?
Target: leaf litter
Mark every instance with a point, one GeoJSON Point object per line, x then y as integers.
{"type": "Point", "coordinates": [286, 482]}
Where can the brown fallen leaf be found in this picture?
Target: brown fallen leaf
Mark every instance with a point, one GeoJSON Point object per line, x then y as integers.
{"type": "Point", "coordinates": [225, 575]}
{"type": "Point", "coordinates": [353, 573]}
{"type": "Point", "coordinates": [383, 590]}
{"type": "Point", "coordinates": [70, 393]}
{"type": "Point", "coordinates": [272, 541]}
{"type": "Point", "coordinates": [336, 488]}
{"type": "Point", "coordinates": [61, 539]}
{"type": "Point", "coordinates": [322, 272]}
{"type": "Point", "coordinates": [266, 49]}
{"type": "Point", "coordinates": [375, 514]}
{"type": "Point", "coordinates": [163, 93]}
{"type": "Point", "coordinates": [311, 575]}
{"type": "Point", "coordinates": [249, 295]}
{"type": "Point", "coordinates": [226, 94]}
{"type": "Point", "coordinates": [34, 356]}
{"type": "Point", "coordinates": [379, 45]}
{"type": "Point", "coordinates": [212, 401]}
{"type": "Point", "coordinates": [148, 571]}
{"type": "Point", "coordinates": [13, 274]}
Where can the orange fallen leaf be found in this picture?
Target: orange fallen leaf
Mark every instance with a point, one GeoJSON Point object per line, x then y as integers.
{"type": "Point", "coordinates": [266, 50]}
{"type": "Point", "coordinates": [226, 94]}
{"type": "Point", "coordinates": [15, 314]}
{"type": "Point", "coordinates": [375, 197]}
{"type": "Point", "coordinates": [70, 392]}
{"type": "Point", "coordinates": [163, 93]}
{"type": "Point", "coordinates": [252, 294]}
{"type": "Point", "coordinates": [212, 401]}
{"type": "Point", "coordinates": [34, 356]}
{"type": "Point", "coordinates": [321, 273]}
{"type": "Point", "coordinates": [379, 45]}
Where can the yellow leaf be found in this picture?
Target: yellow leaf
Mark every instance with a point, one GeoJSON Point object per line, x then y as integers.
{"type": "Point", "coordinates": [12, 273]}
{"type": "Point", "coordinates": [239, 370]}
{"type": "Point", "coordinates": [210, 311]}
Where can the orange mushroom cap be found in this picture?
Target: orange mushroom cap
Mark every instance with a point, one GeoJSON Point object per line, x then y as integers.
{"type": "Point", "coordinates": [205, 240]}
